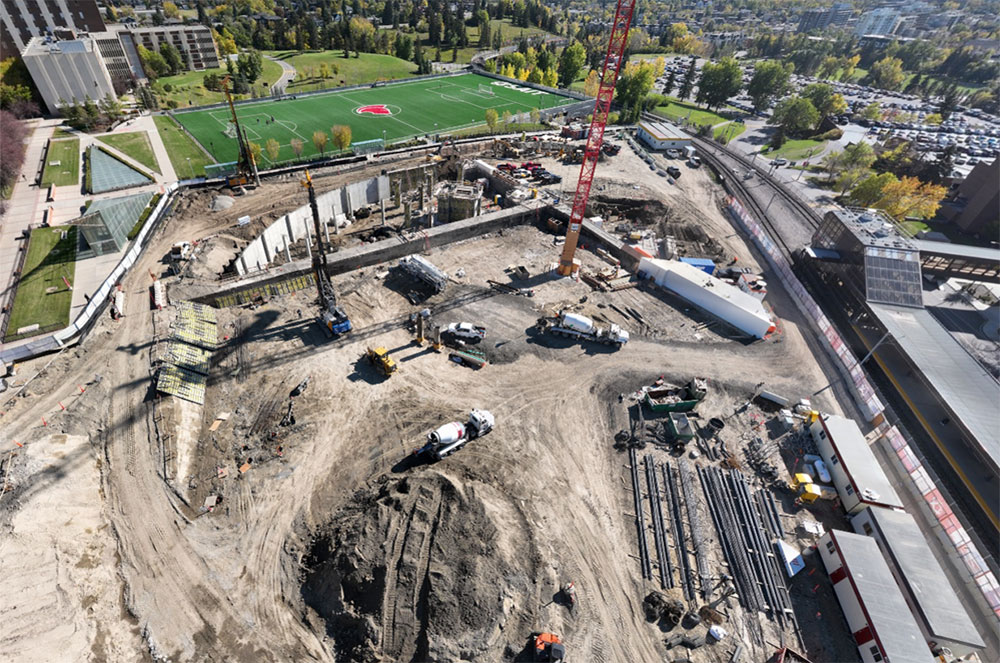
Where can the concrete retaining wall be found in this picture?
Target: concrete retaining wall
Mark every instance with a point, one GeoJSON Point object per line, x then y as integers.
{"type": "Point", "coordinates": [390, 249]}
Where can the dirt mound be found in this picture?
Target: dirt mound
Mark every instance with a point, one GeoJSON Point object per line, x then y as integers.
{"type": "Point", "coordinates": [428, 569]}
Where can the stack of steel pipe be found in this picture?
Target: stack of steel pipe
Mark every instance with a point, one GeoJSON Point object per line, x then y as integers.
{"type": "Point", "coordinates": [694, 522]}
{"type": "Point", "coordinates": [683, 565]}
{"type": "Point", "coordinates": [640, 523]}
{"type": "Point", "coordinates": [769, 513]}
{"type": "Point", "coordinates": [656, 510]}
{"type": "Point", "coordinates": [732, 537]}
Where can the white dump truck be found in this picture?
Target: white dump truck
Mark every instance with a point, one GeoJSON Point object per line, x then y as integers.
{"type": "Point", "coordinates": [574, 325]}
{"type": "Point", "coordinates": [451, 437]}
{"type": "Point", "coordinates": [465, 331]}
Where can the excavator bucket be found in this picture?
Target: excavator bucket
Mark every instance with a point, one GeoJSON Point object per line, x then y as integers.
{"type": "Point", "coordinates": [548, 647]}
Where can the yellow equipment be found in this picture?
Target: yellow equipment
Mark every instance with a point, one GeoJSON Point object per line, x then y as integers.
{"type": "Point", "coordinates": [380, 359]}
{"type": "Point", "coordinates": [805, 490]}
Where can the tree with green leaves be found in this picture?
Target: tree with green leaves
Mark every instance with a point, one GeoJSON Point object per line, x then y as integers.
{"type": "Point", "coordinates": [949, 101]}
{"type": "Point", "coordinates": [719, 81]}
{"type": "Point", "coordinates": [633, 85]}
{"type": "Point", "coordinates": [687, 85]}
{"type": "Point", "coordinates": [824, 99]}
{"type": "Point", "coordinates": [670, 84]}
{"type": "Point", "coordinates": [250, 65]}
{"type": "Point", "coordinates": [868, 191]}
{"type": "Point", "coordinates": [795, 115]}
{"type": "Point", "coordinates": [769, 82]}
{"type": "Point", "coordinates": [872, 111]}
{"type": "Point", "coordinates": [571, 61]}
{"type": "Point", "coordinates": [403, 46]}
{"type": "Point", "coordinates": [887, 73]}
{"type": "Point", "coordinates": [491, 119]}
{"type": "Point", "coordinates": [170, 55]}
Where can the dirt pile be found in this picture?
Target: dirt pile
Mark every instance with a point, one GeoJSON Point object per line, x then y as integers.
{"type": "Point", "coordinates": [427, 569]}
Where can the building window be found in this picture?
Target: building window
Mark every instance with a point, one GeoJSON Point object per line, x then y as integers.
{"type": "Point", "coordinates": [849, 489]}
{"type": "Point", "coordinates": [876, 654]}
{"type": "Point", "coordinates": [822, 435]}
{"type": "Point", "coordinates": [830, 548]}
{"type": "Point", "coordinates": [867, 528]}
{"type": "Point", "coordinates": [834, 460]}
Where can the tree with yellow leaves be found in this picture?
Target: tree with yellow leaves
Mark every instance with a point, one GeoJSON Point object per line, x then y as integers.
{"type": "Point", "coordinates": [551, 77]}
{"type": "Point", "coordinates": [319, 140]}
{"type": "Point", "coordinates": [341, 134]}
{"type": "Point", "coordinates": [272, 147]}
{"type": "Point", "coordinates": [592, 84]}
{"type": "Point", "coordinates": [911, 197]}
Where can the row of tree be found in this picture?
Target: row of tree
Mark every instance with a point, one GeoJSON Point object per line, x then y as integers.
{"type": "Point", "coordinates": [339, 133]}
{"type": "Point", "coordinates": [92, 114]}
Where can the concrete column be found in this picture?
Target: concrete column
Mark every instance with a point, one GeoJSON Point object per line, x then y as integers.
{"type": "Point", "coordinates": [326, 229]}
{"type": "Point", "coordinates": [267, 251]}
{"type": "Point", "coordinates": [288, 253]}
{"type": "Point", "coordinates": [399, 191]}
{"type": "Point", "coordinates": [420, 189]}
{"type": "Point", "coordinates": [406, 214]}
{"type": "Point", "coordinates": [381, 205]}
{"type": "Point", "coordinates": [288, 226]}
{"type": "Point", "coordinates": [309, 245]}
{"type": "Point", "coordinates": [243, 263]}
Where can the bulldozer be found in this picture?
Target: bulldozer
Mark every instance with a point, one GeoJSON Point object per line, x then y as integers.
{"type": "Point", "coordinates": [547, 647]}
{"type": "Point", "coordinates": [380, 359]}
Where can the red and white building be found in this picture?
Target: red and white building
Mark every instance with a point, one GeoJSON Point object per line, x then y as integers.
{"type": "Point", "coordinates": [879, 618]}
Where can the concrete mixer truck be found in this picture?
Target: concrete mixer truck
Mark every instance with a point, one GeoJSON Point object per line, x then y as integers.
{"type": "Point", "coordinates": [451, 437]}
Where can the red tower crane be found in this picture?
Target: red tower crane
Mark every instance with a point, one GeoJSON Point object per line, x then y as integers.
{"type": "Point", "coordinates": [591, 153]}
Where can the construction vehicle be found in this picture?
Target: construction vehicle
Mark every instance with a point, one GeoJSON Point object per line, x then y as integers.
{"type": "Point", "coordinates": [246, 165]}
{"type": "Point", "coordinates": [574, 325]}
{"type": "Point", "coordinates": [180, 251]}
{"type": "Point", "coordinates": [613, 61]}
{"type": "Point", "coordinates": [807, 492]}
{"type": "Point", "coordinates": [424, 270]}
{"type": "Point", "coordinates": [380, 359]}
{"type": "Point", "coordinates": [451, 437]}
{"type": "Point", "coordinates": [664, 397]}
{"type": "Point", "coordinates": [547, 647]}
{"type": "Point", "coordinates": [332, 316]}
{"type": "Point", "coordinates": [465, 330]}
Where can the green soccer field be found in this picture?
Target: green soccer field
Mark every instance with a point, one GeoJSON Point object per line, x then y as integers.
{"type": "Point", "coordinates": [413, 108]}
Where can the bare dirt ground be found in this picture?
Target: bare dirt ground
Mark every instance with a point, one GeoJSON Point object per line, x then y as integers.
{"type": "Point", "coordinates": [335, 545]}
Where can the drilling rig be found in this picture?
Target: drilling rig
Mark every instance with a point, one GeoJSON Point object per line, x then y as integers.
{"type": "Point", "coordinates": [334, 318]}
{"type": "Point", "coordinates": [591, 153]}
{"type": "Point", "coordinates": [246, 165]}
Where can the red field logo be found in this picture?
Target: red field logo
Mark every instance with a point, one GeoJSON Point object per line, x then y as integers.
{"type": "Point", "coordinates": [374, 109]}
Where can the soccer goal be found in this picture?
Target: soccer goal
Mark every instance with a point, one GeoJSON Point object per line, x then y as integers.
{"type": "Point", "coordinates": [486, 89]}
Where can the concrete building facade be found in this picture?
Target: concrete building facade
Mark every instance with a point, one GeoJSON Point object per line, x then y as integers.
{"type": "Point", "coordinates": [194, 42]}
{"type": "Point", "coordinates": [67, 71]}
{"type": "Point", "coordinates": [20, 20]}
{"type": "Point", "coordinates": [881, 21]}
{"type": "Point", "coordinates": [826, 17]}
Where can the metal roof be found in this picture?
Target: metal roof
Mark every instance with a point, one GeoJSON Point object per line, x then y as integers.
{"type": "Point", "coordinates": [970, 392]}
{"type": "Point", "coordinates": [958, 250]}
{"type": "Point", "coordinates": [922, 577]}
{"type": "Point", "coordinates": [663, 131]}
{"type": "Point", "coordinates": [870, 482]}
{"type": "Point", "coordinates": [888, 615]}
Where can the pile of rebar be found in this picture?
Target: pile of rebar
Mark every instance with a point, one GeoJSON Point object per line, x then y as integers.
{"type": "Point", "coordinates": [640, 524]}
{"type": "Point", "coordinates": [659, 534]}
{"type": "Point", "coordinates": [684, 571]}
{"type": "Point", "coordinates": [746, 544]}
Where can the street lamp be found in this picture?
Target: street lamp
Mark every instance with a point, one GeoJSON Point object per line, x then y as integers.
{"type": "Point", "coordinates": [190, 167]}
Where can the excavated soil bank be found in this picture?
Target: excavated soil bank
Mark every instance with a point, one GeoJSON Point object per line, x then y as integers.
{"type": "Point", "coordinates": [426, 569]}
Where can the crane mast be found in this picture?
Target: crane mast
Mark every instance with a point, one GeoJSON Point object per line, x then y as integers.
{"type": "Point", "coordinates": [602, 105]}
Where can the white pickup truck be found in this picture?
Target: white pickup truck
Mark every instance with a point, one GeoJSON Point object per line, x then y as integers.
{"type": "Point", "coordinates": [465, 330]}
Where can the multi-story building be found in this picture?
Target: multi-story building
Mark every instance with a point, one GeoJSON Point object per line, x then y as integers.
{"type": "Point", "coordinates": [194, 42]}
{"type": "Point", "coordinates": [120, 56]}
{"type": "Point", "coordinates": [20, 20]}
{"type": "Point", "coordinates": [67, 71]}
{"type": "Point", "coordinates": [881, 21]}
{"type": "Point", "coordinates": [821, 19]}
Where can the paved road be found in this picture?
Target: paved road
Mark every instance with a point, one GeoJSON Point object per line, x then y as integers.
{"type": "Point", "coordinates": [287, 75]}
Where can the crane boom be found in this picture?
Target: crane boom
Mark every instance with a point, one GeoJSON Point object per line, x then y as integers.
{"type": "Point", "coordinates": [602, 105]}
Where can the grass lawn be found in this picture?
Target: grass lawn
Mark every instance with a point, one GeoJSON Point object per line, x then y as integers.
{"type": "Point", "coordinates": [680, 110]}
{"type": "Point", "coordinates": [730, 130]}
{"type": "Point", "coordinates": [180, 147]}
{"type": "Point", "coordinates": [188, 89]}
{"type": "Point", "coordinates": [913, 227]}
{"type": "Point", "coordinates": [794, 150]}
{"type": "Point", "coordinates": [62, 132]}
{"type": "Point", "coordinates": [367, 68]}
{"type": "Point", "coordinates": [42, 297]}
{"type": "Point", "coordinates": [65, 153]}
{"type": "Point", "coordinates": [134, 144]}
{"type": "Point", "coordinates": [412, 108]}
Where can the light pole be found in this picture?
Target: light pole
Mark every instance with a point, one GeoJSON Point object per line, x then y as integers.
{"type": "Point", "coordinates": [383, 139]}
{"type": "Point", "coordinates": [190, 167]}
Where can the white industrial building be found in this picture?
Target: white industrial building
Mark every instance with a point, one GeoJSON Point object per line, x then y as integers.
{"type": "Point", "coordinates": [67, 71]}
{"type": "Point", "coordinates": [663, 136]}
{"type": "Point", "coordinates": [883, 627]}
{"type": "Point", "coordinates": [857, 475]}
{"type": "Point", "coordinates": [939, 612]}
{"type": "Point", "coordinates": [724, 301]}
